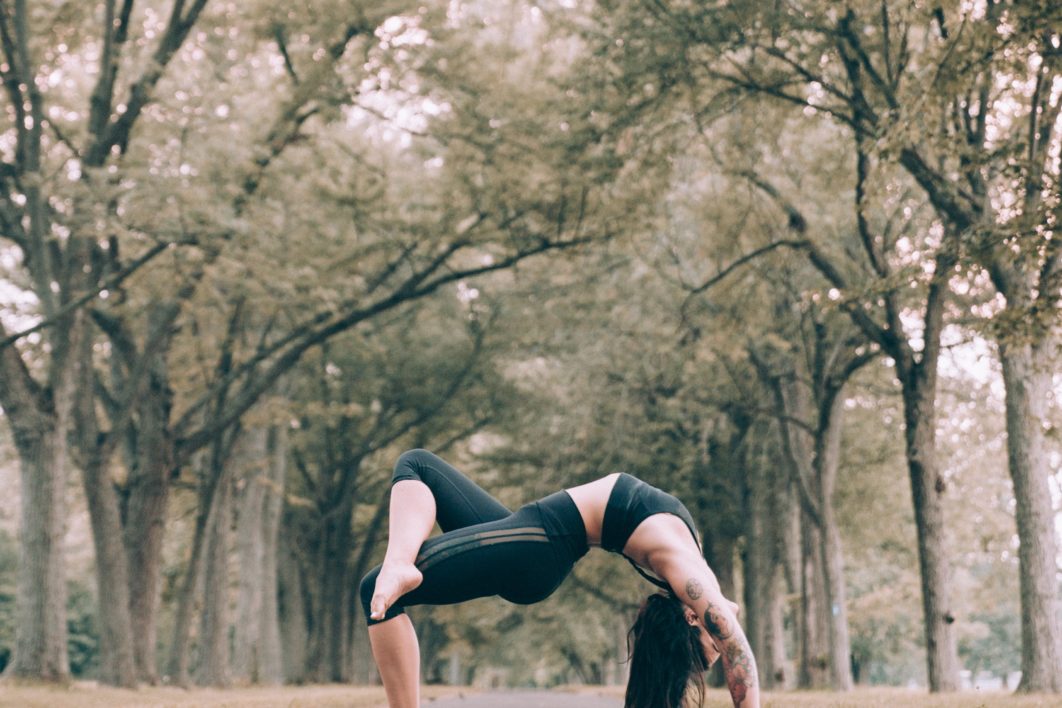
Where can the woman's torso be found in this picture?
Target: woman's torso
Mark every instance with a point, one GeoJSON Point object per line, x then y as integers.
{"type": "Point", "coordinates": [651, 542]}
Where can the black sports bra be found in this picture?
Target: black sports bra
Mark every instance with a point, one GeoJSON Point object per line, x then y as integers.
{"type": "Point", "coordinates": [631, 502]}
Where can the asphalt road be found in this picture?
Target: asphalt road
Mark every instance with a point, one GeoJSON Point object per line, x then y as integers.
{"type": "Point", "coordinates": [526, 699]}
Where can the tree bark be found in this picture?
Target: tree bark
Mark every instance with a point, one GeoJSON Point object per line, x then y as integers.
{"type": "Point", "coordinates": [214, 635]}
{"type": "Point", "coordinates": [117, 659]}
{"type": "Point", "coordinates": [291, 598]}
{"type": "Point", "coordinates": [722, 564]}
{"type": "Point", "coordinates": [360, 659]}
{"type": "Point", "coordinates": [927, 490]}
{"type": "Point", "coordinates": [117, 662]}
{"type": "Point", "coordinates": [330, 635]}
{"type": "Point", "coordinates": [784, 509]}
{"type": "Point", "coordinates": [250, 555]}
{"type": "Point", "coordinates": [760, 556]}
{"type": "Point", "coordinates": [39, 416]}
{"type": "Point", "coordinates": [827, 460]}
{"type": "Point", "coordinates": [814, 620]}
{"type": "Point", "coordinates": [179, 660]}
{"type": "Point", "coordinates": [270, 655]}
{"type": "Point", "coordinates": [145, 518]}
{"type": "Point", "coordinates": [40, 627]}
{"type": "Point", "coordinates": [775, 659]}
{"type": "Point", "coordinates": [40, 421]}
{"type": "Point", "coordinates": [813, 473]}
{"type": "Point", "coordinates": [256, 654]}
{"type": "Point", "coordinates": [1027, 377]}
{"type": "Point", "coordinates": [763, 583]}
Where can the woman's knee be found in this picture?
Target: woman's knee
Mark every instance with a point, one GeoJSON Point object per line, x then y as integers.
{"type": "Point", "coordinates": [367, 589]}
{"type": "Point", "coordinates": [411, 465]}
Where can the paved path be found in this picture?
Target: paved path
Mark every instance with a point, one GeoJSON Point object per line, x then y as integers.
{"type": "Point", "coordinates": [526, 699]}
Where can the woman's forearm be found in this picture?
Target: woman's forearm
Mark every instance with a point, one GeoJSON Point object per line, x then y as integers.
{"type": "Point", "coordinates": [699, 590]}
{"type": "Point", "coordinates": [739, 667]}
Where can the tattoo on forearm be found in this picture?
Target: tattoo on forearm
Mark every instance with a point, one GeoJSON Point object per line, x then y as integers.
{"type": "Point", "coordinates": [717, 623]}
{"type": "Point", "coordinates": [740, 668]}
{"type": "Point", "coordinates": [694, 589]}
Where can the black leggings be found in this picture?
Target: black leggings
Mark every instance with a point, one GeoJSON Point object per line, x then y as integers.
{"type": "Point", "coordinates": [485, 549]}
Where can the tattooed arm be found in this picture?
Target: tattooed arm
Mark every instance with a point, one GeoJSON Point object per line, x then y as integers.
{"type": "Point", "coordinates": [697, 587]}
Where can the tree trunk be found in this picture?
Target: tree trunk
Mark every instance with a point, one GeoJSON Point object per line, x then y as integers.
{"type": "Point", "coordinates": [836, 599]}
{"type": "Point", "coordinates": [332, 611]}
{"type": "Point", "coordinates": [117, 659]}
{"type": "Point", "coordinates": [293, 615]}
{"type": "Point", "coordinates": [117, 664]}
{"type": "Point", "coordinates": [759, 564]}
{"type": "Point", "coordinates": [1027, 377]}
{"type": "Point", "coordinates": [40, 621]}
{"type": "Point", "coordinates": [179, 659]}
{"type": "Point", "coordinates": [250, 554]}
{"type": "Point", "coordinates": [256, 654]}
{"type": "Point", "coordinates": [39, 415]}
{"type": "Point", "coordinates": [722, 564]}
{"type": "Point", "coordinates": [360, 659]}
{"type": "Point", "coordinates": [927, 491]}
{"type": "Point", "coordinates": [827, 460]}
{"type": "Point", "coordinates": [784, 509]}
{"type": "Point", "coordinates": [362, 665]}
{"type": "Point", "coordinates": [214, 636]}
{"type": "Point", "coordinates": [40, 422]}
{"type": "Point", "coordinates": [775, 659]}
{"type": "Point", "coordinates": [270, 663]}
{"type": "Point", "coordinates": [814, 621]}
{"type": "Point", "coordinates": [145, 519]}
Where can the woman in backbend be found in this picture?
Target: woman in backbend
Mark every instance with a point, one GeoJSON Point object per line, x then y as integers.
{"type": "Point", "coordinates": [523, 556]}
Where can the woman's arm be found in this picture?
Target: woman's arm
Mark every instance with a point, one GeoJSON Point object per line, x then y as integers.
{"type": "Point", "coordinates": [696, 585]}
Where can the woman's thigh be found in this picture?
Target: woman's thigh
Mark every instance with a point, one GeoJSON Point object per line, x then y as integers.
{"type": "Point", "coordinates": [512, 557]}
{"type": "Point", "coordinates": [459, 502]}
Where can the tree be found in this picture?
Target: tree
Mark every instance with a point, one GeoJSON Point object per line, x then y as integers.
{"type": "Point", "coordinates": [137, 166]}
{"type": "Point", "coordinates": [812, 57]}
{"type": "Point", "coordinates": [994, 191]}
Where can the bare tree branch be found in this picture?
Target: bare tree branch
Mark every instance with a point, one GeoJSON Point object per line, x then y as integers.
{"type": "Point", "coordinates": [326, 325]}
{"type": "Point", "coordinates": [282, 45]}
{"type": "Point", "coordinates": [79, 301]}
{"type": "Point", "coordinates": [798, 465]}
{"type": "Point", "coordinates": [116, 133]}
{"type": "Point", "coordinates": [731, 267]}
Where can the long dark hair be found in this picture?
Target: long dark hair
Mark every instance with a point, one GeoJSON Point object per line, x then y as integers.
{"type": "Point", "coordinates": [666, 656]}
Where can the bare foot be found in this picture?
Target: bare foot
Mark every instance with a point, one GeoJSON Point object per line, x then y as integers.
{"type": "Point", "coordinates": [394, 581]}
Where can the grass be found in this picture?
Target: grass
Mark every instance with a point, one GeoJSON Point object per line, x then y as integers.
{"type": "Point", "coordinates": [86, 695]}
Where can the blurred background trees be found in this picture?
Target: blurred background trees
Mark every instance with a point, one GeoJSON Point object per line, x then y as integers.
{"type": "Point", "coordinates": [764, 257]}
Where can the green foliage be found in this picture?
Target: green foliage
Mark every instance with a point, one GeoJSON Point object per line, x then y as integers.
{"type": "Point", "coordinates": [82, 631]}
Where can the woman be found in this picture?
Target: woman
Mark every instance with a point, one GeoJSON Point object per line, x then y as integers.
{"type": "Point", "coordinates": [487, 550]}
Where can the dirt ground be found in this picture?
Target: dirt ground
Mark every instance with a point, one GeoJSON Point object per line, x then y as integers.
{"type": "Point", "coordinates": [83, 695]}
{"type": "Point", "coordinates": [872, 698]}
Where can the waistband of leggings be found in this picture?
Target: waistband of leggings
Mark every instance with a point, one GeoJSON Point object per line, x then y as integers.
{"type": "Point", "coordinates": [564, 524]}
